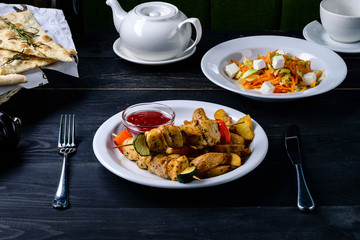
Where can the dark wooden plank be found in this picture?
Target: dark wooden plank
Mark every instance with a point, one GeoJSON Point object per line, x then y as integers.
{"type": "Point", "coordinates": [182, 223]}
{"type": "Point", "coordinates": [272, 184]}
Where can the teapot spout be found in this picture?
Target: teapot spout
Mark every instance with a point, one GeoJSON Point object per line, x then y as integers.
{"type": "Point", "coordinates": [118, 13]}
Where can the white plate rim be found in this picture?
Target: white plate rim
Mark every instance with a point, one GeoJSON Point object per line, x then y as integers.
{"type": "Point", "coordinates": [101, 149]}
{"type": "Point", "coordinates": [215, 57]}
{"type": "Point", "coordinates": [117, 47]}
{"type": "Point", "coordinates": [329, 43]}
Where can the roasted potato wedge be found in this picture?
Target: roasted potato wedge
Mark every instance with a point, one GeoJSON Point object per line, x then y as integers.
{"type": "Point", "coordinates": [227, 148]}
{"type": "Point", "coordinates": [245, 129]}
{"type": "Point", "coordinates": [208, 161]}
{"type": "Point", "coordinates": [216, 171]}
{"type": "Point", "coordinates": [236, 139]}
{"type": "Point", "coordinates": [246, 152]}
{"type": "Point", "coordinates": [235, 160]}
{"type": "Point", "coordinates": [221, 114]}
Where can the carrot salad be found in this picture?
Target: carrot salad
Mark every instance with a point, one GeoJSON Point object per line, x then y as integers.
{"type": "Point", "coordinates": [287, 75]}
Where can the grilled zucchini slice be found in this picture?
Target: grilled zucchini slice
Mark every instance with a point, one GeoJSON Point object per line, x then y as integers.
{"type": "Point", "coordinates": [140, 145]}
{"type": "Point", "coordinates": [188, 175]}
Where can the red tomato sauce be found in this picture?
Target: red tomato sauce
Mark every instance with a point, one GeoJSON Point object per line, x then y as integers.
{"type": "Point", "coordinates": [147, 119]}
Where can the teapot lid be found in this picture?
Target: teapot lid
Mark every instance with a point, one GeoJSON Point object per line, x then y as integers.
{"type": "Point", "coordinates": [156, 10]}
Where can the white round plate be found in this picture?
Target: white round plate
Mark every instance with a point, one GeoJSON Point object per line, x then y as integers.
{"type": "Point", "coordinates": [315, 32]}
{"type": "Point", "coordinates": [115, 162]}
{"type": "Point", "coordinates": [124, 53]}
{"type": "Point", "coordinates": [214, 61]}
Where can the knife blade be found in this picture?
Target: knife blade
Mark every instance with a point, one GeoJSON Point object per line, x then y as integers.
{"type": "Point", "coordinates": [304, 200]}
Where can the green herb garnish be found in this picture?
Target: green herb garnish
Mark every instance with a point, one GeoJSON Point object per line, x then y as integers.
{"type": "Point", "coordinates": [25, 35]}
{"type": "Point", "coordinates": [18, 56]}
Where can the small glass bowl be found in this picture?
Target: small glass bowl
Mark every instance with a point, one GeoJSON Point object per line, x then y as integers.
{"type": "Point", "coordinates": [147, 108]}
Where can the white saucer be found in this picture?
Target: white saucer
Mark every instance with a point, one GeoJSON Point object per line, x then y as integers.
{"type": "Point", "coordinates": [314, 32]}
{"type": "Point", "coordinates": [124, 53]}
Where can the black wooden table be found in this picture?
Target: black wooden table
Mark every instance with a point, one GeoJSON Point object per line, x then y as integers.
{"type": "Point", "coordinates": [260, 205]}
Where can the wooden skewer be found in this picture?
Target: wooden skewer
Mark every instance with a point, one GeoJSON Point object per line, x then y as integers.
{"type": "Point", "coordinates": [199, 179]}
{"type": "Point", "coordinates": [229, 125]}
{"type": "Point", "coordinates": [125, 145]}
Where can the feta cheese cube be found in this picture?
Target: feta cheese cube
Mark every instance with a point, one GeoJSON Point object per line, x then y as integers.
{"type": "Point", "coordinates": [278, 62]}
{"type": "Point", "coordinates": [231, 69]}
{"type": "Point", "coordinates": [309, 78]}
{"type": "Point", "coordinates": [282, 52]}
{"type": "Point", "coordinates": [259, 64]}
{"type": "Point", "coordinates": [267, 88]}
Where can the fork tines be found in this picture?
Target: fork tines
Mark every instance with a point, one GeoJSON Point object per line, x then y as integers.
{"type": "Point", "coordinates": [67, 131]}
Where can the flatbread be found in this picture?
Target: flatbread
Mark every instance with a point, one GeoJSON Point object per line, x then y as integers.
{"type": "Point", "coordinates": [12, 79]}
{"type": "Point", "coordinates": [20, 32]}
{"type": "Point", "coordinates": [15, 62]}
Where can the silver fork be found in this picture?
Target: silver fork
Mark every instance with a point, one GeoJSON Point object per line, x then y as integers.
{"type": "Point", "coordinates": [66, 146]}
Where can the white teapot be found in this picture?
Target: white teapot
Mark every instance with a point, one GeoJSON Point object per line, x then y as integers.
{"type": "Point", "coordinates": [155, 31]}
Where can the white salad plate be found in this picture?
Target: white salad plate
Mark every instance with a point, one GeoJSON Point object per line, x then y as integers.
{"type": "Point", "coordinates": [124, 53]}
{"type": "Point", "coordinates": [116, 162]}
{"type": "Point", "coordinates": [214, 61]}
{"type": "Point", "coordinates": [315, 32]}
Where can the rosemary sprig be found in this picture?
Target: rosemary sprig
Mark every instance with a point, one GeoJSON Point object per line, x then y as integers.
{"type": "Point", "coordinates": [25, 35]}
{"type": "Point", "coordinates": [18, 56]}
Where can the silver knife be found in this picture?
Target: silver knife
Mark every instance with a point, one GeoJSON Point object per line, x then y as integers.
{"type": "Point", "coordinates": [304, 200]}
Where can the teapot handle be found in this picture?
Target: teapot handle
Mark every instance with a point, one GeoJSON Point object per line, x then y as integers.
{"type": "Point", "coordinates": [197, 25]}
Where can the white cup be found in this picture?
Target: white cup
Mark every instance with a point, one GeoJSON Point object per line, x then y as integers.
{"type": "Point", "coordinates": [341, 19]}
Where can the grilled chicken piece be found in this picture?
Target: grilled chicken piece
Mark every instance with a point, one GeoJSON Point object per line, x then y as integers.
{"type": "Point", "coordinates": [143, 162]}
{"type": "Point", "coordinates": [177, 165]}
{"type": "Point", "coordinates": [172, 135]}
{"type": "Point", "coordinates": [208, 127]}
{"type": "Point", "coordinates": [199, 114]}
{"type": "Point", "coordinates": [166, 166]}
{"type": "Point", "coordinates": [210, 130]}
{"type": "Point", "coordinates": [129, 151]}
{"type": "Point", "coordinates": [131, 154]}
{"type": "Point", "coordinates": [156, 141]}
{"type": "Point", "coordinates": [192, 135]}
{"type": "Point", "coordinates": [158, 165]}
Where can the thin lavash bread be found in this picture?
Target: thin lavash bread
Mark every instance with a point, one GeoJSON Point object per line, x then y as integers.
{"type": "Point", "coordinates": [14, 62]}
{"type": "Point", "coordinates": [12, 79]}
{"type": "Point", "coordinates": [21, 32]}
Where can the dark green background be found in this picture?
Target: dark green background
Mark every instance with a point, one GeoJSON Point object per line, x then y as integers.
{"type": "Point", "coordinates": [214, 14]}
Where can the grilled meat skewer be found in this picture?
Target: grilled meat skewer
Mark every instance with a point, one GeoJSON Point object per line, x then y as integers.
{"type": "Point", "coordinates": [166, 166]}
{"type": "Point", "coordinates": [200, 132]}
